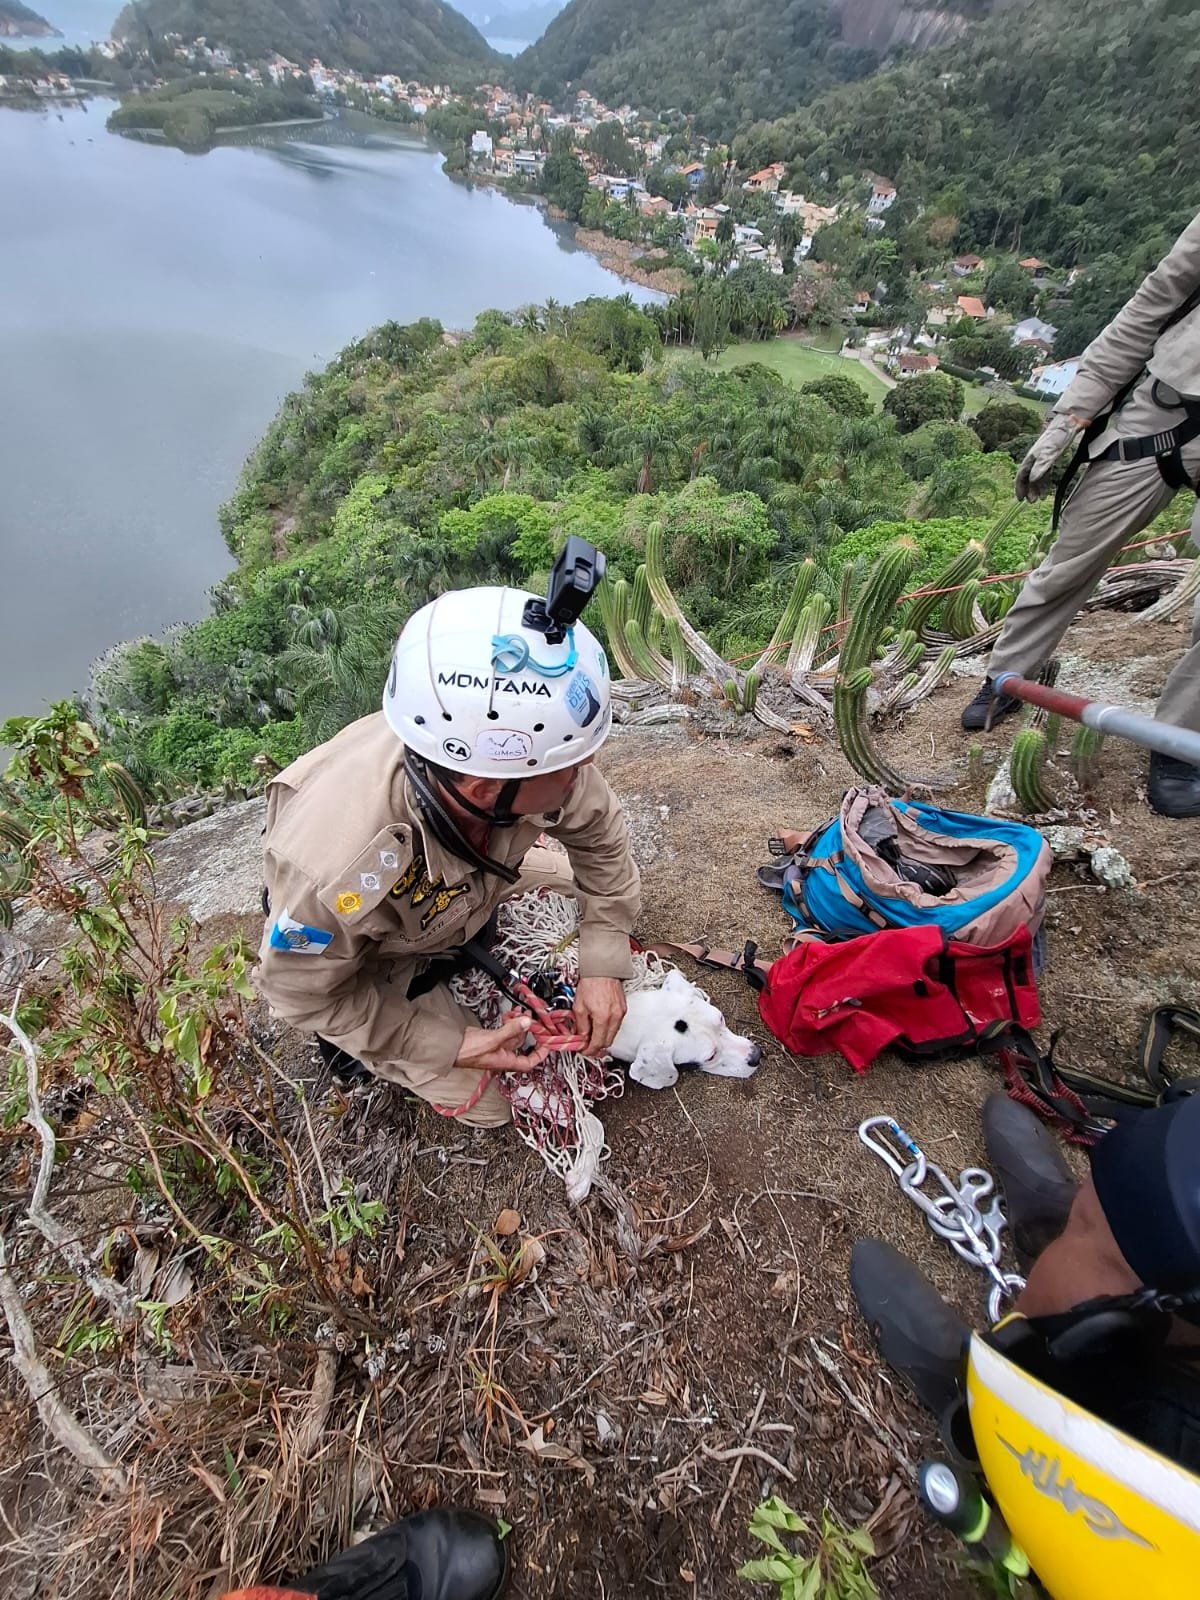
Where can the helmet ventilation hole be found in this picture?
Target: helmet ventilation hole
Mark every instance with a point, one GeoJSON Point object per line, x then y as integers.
{"type": "Point", "coordinates": [567, 737]}
{"type": "Point", "coordinates": [420, 721]}
{"type": "Point", "coordinates": [539, 727]}
{"type": "Point", "coordinates": [532, 763]}
{"type": "Point", "coordinates": [493, 716]}
{"type": "Point", "coordinates": [446, 717]}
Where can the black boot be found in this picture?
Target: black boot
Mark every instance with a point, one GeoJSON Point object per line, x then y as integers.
{"type": "Point", "coordinates": [1037, 1183]}
{"type": "Point", "coordinates": [975, 716]}
{"type": "Point", "coordinates": [918, 1334]}
{"type": "Point", "coordinates": [1174, 787]}
{"type": "Point", "coordinates": [434, 1555]}
{"type": "Point", "coordinates": [347, 1071]}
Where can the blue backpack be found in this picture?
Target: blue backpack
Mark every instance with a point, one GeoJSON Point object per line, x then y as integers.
{"type": "Point", "coordinates": [883, 863]}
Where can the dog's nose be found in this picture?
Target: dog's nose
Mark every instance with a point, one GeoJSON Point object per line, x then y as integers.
{"type": "Point", "coordinates": [754, 1057]}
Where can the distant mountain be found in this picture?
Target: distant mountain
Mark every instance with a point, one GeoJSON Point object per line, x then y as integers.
{"type": "Point", "coordinates": [731, 61]}
{"type": "Point", "coordinates": [512, 19]}
{"type": "Point", "coordinates": [417, 38]}
{"type": "Point", "coordinates": [19, 22]}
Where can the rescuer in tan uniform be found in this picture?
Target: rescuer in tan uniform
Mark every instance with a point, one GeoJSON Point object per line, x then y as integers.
{"type": "Point", "coordinates": [392, 844]}
{"type": "Point", "coordinates": [1137, 398]}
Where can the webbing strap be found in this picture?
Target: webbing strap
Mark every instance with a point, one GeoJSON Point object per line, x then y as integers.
{"type": "Point", "coordinates": [746, 962]}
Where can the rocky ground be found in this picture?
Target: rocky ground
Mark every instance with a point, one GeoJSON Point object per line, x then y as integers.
{"type": "Point", "coordinates": [687, 1343]}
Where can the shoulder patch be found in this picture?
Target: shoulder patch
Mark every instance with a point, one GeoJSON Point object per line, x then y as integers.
{"type": "Point", "coordinates": [297, 938]}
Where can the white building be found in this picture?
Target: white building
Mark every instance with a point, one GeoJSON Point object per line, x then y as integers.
{"type": "Point", "coordinates": [481, 144]}
{"type": "Point", "coordinates": [1055, 377]}
{"type": "Point", "coordinates": [883, 198]}
{"type": "Point", "coordinates": [1034, 328]}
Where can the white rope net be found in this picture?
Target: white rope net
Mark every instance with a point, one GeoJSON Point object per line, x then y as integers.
{"type": "Point", "coordinates": [552, 1107]}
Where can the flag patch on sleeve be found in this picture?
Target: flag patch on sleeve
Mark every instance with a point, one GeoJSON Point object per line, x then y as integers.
{"type": "Point", "coordinates": [297, 937]}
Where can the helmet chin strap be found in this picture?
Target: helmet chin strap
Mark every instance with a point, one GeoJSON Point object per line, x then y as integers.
{"type": "Point", "coordinates": [444, 825]}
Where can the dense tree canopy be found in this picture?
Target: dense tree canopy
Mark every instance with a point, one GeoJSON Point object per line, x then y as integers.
{"type": "Point", "coordinates": [419, 38]}
{"type": "Point", "coordinates": [414, 464]}
{"type": "Point", "coordinates": [1054, 129]}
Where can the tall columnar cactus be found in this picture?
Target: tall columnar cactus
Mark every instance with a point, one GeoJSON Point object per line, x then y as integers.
{"type": "Point", "coordinates": [16, 865]}
{"type": "Point", "coordinates": [873, 609]}
{"type": "Point", "coordinates": [656, 577]}
{"type": "Point", "coordinates": [961, 614]}
{"type": "Point", "coordinates": [614, 599]}
{"type": "Point", "coordinates": [967, 564]}
{"type": "Point", "coordinates": [128, 795]}
{"type": "Point", "coordinates": [806, 638]}
{"type": "Point", "coordinates": [785, 629]}
{"type": "Point", "coordinates": [1085, 754]}
{"type": "Point", "coordinates": [1175, 599]}
{"type": "Point", "coordinates": [1027, 764]}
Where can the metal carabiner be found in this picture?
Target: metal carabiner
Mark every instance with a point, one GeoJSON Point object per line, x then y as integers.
{"type": "Point", "coordinates": [890, 1156]}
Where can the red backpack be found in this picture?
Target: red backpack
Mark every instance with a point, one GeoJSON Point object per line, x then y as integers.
{"type": "Point", "coordinates": [913, 990]}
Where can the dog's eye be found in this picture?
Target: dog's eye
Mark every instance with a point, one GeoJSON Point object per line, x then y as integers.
{"type": "Point", "coordinates": [681, 1026]}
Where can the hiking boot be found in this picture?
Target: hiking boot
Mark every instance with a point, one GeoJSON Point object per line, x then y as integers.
{"type": "Point", "coordinates": [987, 701]}
{"type": "Point", "coordinates": [434, 1555]}
{"type": "Point", "coordinates": [346, 1071]}
{"type": "Point", "coordinates": [1029, 1166]}
{"type": "Point", "coordinates": [1174, 786]}
{"type": "Point", "coordinates": [917, 1333]}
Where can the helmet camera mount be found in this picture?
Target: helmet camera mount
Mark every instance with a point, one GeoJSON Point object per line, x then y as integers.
{"type": "Point", "coordinates": [574, 578]}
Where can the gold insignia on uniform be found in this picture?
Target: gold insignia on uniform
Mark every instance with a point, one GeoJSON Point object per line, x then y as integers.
{"type": "Point", "coordinates": [419, 886]}
{"type": "Point", "coordinates": [412, 872]}
{"type": "Point", "coordinates": [442, 901]}
{"type": "Point", "coordinates": [348, 904]}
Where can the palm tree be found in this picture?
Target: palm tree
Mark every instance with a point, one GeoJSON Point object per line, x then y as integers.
{"type": "Point", "coordinates": [335, 666]}
{"type": "Point", "coordinates": [646, 441]}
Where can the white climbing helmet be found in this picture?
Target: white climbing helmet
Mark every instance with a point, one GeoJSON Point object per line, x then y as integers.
{"type": "Point", "coordinates": [474, 690]}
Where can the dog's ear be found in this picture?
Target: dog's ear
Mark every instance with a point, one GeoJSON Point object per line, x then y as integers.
{"type": "Point", "coordinates": [652, 1066]}
{"type": "Point", "coordinates": [675, 982]}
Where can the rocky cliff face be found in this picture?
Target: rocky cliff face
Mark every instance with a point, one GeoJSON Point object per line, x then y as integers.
{"type": "Point", "coordinates": [19, 22]}
{"type": "Point", "coordinates": [882, 25]}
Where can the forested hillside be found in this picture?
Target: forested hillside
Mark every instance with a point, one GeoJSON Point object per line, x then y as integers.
{"type": "Point", "coordinates": [413, 464]}
{"type": "Point", "coordinates": [17, 19]}
{"type": "Point", "coordinates": [725, 61]}
{"type": "Point", "coordinates": [422, 38]}
{"type": "Point", "coordinates": [1057, 130]}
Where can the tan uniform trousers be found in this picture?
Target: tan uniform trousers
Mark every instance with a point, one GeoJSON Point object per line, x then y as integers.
{"type": "Point", "coordinates": [541, 869]}
{"type": "Point", "coordinates": [1114, 501]}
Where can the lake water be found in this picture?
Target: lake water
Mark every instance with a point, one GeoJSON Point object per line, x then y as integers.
{"type": "Point", "coordinates": [155, 308]}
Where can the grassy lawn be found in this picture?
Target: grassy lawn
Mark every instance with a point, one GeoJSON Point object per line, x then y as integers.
{"type": "Point", "coordinates": [799, 363]}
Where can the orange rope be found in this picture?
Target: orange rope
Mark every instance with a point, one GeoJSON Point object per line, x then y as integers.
{"type": "Point", "coordinates": [920, 594]}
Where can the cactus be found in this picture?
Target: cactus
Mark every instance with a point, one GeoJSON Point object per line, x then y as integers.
{"type": "Point", "coordinates": [850, 719]}
{"type": "Point", "coordinates": [916, 688]}
{"type": "Point", "coordinates": [679, 655]}
{"type": "Point", "coordinates": [967, 564]}
{"type": "Point", "coordinates": [1085, 752]}
{"type": "Point", "coordinates": [717, 668]}
{"type": "Point", "coordinates": [128, 795]}
{"type": "Point", "coordinates": [975, 763]}
{"type": "Point", "coordinates": [874, 605]}
{"type": "Point", "coordinates": [6, 914]}
{"type": "Point", "coordinates": [614, 614]}
{"type": "Point", "coordinates": [650, 665]}
{"type": "Point", "coordinates": [1027, 770]}
{"type": "Point", "coordinates": [785, 629]}
{"type": "Point", "coordinates": [13, 833]}
{"type": "Point", "coordinates": [992, 537]}
{"type": "Point", "coordinates": [805, 638]}
{"type": "Point", "coordinates": [961, 615]}
{"type": "Point", "coordinates": [750, 691]}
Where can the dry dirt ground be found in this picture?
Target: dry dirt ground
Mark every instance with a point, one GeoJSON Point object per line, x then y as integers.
{"type": "Point", "coordinates": [697, 1305]}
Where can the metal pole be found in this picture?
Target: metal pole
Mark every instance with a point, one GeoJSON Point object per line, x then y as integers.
{"type": "Point", "coordinates": [1182, 743]}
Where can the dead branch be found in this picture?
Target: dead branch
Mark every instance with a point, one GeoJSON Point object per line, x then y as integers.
{"type": "Point", "coordinates": [59, 1421]}
{"type": "Point", "coordinates": [119, 1300]}
{"type": "Point", "coordinates": [747, 1450]}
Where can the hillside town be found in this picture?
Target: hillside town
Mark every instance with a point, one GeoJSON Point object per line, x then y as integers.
{"type": "Point", "coordinates": [654, 180]}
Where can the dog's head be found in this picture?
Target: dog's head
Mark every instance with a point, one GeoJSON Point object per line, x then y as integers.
{"type": "Point", "coordinates": [675, 1028]}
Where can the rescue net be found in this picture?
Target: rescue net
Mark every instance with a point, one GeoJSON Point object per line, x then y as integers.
{"type": "Point", "coordinates": [552, 1108]}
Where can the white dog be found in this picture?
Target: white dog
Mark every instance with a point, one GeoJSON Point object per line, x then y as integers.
{"type": "Point", "coordinates": [675, 1027]}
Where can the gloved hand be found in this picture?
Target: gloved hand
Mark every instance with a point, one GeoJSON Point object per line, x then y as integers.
{"type": "Point", "coordinates": [1058, 435]}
